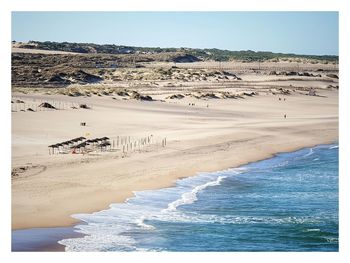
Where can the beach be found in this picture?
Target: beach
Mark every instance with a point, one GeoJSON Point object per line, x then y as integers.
{"type": "Point", "coordinates": [202, 135]}
{"type": "Point", "coordinates": [174, 131]}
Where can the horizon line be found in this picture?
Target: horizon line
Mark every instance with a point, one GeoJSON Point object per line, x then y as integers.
{"type": "Point", "coordinates": [289, 53]}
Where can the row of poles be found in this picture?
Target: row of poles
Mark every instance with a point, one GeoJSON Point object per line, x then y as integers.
{"type": "Point", "coordinates": [256, 66]}
{"type": "Point", "coordinates": [125, 144]}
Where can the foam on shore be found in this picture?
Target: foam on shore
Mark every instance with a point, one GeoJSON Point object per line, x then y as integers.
{"type": "Point", "coordinates": [115, 229]}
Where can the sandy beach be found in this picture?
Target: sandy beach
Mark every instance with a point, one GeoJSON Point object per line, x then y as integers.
{"type": "Point", "coordinates": [202, 135]}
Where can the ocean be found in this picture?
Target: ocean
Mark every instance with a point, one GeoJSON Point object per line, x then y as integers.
{"type": "Point", "coordinates": [285, 203]}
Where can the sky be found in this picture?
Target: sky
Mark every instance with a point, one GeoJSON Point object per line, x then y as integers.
{"type": "Point", "coordinates": [312, 33]}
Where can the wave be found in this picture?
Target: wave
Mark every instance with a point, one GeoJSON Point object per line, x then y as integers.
{"type": "Point", "coordinates": [311, 151]}
{"type": "Point", "coordinates": [107, 229]}
{"type": "Point", "coordinates": [190, 197]}
{"type": "Point", "coordinates": [139, 222]}
{"type": "Point", "coordinates": [333, 240]}
{"type": "Point", "coordinates": [100, 239]}
{"type": "Point", "coordinates": [187, 217]}
{"type": "Point", "coordinates": [313, 230]}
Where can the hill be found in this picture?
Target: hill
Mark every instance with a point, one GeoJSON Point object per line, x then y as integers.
{"type": "Point", "coordinates": [187, 54]}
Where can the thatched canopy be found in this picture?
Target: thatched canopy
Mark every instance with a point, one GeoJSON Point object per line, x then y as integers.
{"type": "Point", "coordinates": [102, 142]}
{"type": "Point", "coordinates": [80, 145]}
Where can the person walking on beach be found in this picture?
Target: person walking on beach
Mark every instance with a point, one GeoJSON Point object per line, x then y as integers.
{"type": "Point", "coordinates": [285, 116]}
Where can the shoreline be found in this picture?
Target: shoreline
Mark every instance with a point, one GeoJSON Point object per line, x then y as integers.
{"type": "Point", "coordinates": [169, 184]}
{"type": "Point", "coordinates": [53, 245]}
{"type": "Point", "coordinates": [229, 133]}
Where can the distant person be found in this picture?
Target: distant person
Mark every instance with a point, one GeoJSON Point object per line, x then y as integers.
{"type": "Point", "coordinates": [285, 116]}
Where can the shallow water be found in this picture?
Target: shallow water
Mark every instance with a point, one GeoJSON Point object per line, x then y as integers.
{"type": "Point", "coordinates": [286, 203]}
{"type": "Point", "coordinates": [41, 239]}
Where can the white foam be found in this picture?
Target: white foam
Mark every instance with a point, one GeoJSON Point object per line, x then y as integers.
{"type": "Point", "coordinates": [140, 222]}
{"type": "Point", "coordinates": [108, 230]}
{"type": "Point", "coordinates": [334, 147]}
{"type": "Point", "coordinates": [190, 197]}
{"type": "Point", "coordinates": [188, 217]}
{"type": "Point", "coordinates": [311, 151]}
{"type": "Point", "coordinates": [332, 240]}
{"type": "Point", "coordinates": [99, 242]}
{"type": "Point", "coordinates": [313, 230]}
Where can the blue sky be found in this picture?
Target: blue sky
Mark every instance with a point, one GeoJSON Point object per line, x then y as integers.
{"type": "Point", "coordinates": [314, 33]}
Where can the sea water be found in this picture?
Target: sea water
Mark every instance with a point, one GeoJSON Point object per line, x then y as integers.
{"type": "Point", "coordinates": [286, 203]}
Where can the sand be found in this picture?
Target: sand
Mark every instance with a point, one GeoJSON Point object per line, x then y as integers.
{"type": "Point", "coordinates": [15, 49]}
{"type": "Point", "coordinates": [212, 135]}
